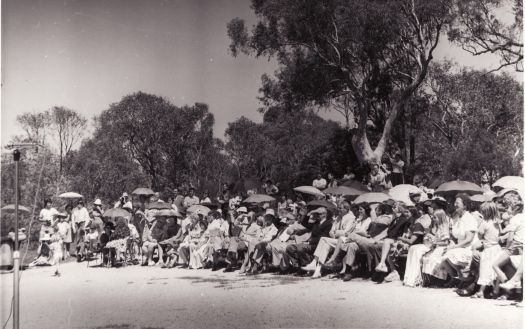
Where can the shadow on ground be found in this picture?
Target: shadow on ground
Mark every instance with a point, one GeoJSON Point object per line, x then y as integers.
{"type": "Point", "coordinates": [243, 281]}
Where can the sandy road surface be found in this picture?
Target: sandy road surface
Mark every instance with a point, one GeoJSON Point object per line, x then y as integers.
{"type": "Point", "coordinates": [142, 297]}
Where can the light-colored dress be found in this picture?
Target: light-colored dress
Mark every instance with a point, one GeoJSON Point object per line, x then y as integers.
{"type": "Point", "coordinates": [489, 234]}
{"type": "Point", "coordinates": [433, 260]}
{"type": "Point", "coordinates": [56, 250]}
{"type": "Point", "coordinates": [462, 256]}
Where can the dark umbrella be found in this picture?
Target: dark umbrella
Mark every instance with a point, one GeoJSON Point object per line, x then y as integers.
{"type": "Point", "coordinates": [116, 212]}
{"type": "Point", "coordinates": [355, 184]}
{"type": "Point", "coordinates": [159, 205]}
{"type": "Point", "coordinates": [321, 203]}
{"type": "Point", "coordinates": [458, 186]}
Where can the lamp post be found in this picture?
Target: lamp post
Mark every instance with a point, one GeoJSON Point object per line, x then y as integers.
{"type": "Point", "coordinates": [16, 252]}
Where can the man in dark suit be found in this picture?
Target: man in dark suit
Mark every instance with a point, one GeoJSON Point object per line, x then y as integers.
{"type": "Point", "coordinates": [300, 254]}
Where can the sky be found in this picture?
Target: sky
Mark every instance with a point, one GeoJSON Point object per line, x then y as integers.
{"type": "Point", "coordinates": [88, 54]}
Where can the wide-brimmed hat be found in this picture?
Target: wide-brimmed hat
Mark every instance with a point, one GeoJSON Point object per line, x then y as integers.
{"type": "Point", "coordinates": [242, 209]}
{"type": "Point", "coordinates": [46, 237]}
{"type": "Point", "coordinates": [320, 210]}
{"type": "Point", "coordinates": [128, 205]}
{"type": "Point", "coordinates": [97, 202]}
{"type": "Point", "coordinates": [270, 211]}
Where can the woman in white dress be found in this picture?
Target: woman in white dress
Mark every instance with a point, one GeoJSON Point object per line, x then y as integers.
{"type": "Point", "coordinates": [464, 230]}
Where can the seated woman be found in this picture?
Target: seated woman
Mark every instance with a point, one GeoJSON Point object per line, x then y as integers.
{"type": "Point", "coordinates": [219, 232]}
{"type": "Point", "coordinates": [488, 235]}
{"type": "Point", "coordinates": [268, 232]}
{"type": "Point", "coordinates": [464, 230]}
{"type": "Point", "coordinates": [87, 243]}
{"type": "Point", "coordinates": [437, 238]}
{"type": "Point", "coordinates": [119, 240]}
{"type": "Point", "coordinates": [44, 254]}
{"type": "Point", "coordinates": [396, 235]}
{"type": "Point", "coordinates": [198, 247]}
{"type": "Point", "coordinates": [504, 265]}
{"type": "Point", "coordinates": [195, 231]}
{"type": "Point", "coordinates": [244, 224]}
{"type": "Point", "coordinates": [248, 236]}
{"type": "Point", "coordinates": [413, 236]}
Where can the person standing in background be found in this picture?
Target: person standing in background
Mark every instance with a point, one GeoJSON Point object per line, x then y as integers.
{"type": "Point", "coordinates": [319, 182]}
{"type": "Point", "coordinates": [397, 169]}
{"type": "Point", "coordinates": [79, 217]}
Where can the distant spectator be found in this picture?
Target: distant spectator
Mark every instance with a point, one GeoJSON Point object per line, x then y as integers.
{"type": "Point", "coordinates": [79, 216]}
{"type": "Point", "coordinates": [178, 199]}
{"type": "Point", "coordinates": [319, 182]}
{"type": "Point", "coordinates": [397, 169]}
{"type": "Point", "coordinates": [191, 199]}
{"type": "Point", "coordinates": [123, 200]}
{"type": "Point", "coordinates": [485, 184]}
{"type": "Point", "coordinates": [376, 179]}
{"type": "Point", "coordinates": [270, 188]}
{"type": "Point", "coordinates": [348, 174]}
{"type": "Point", "coordinates": [332, 182]}
{"type": "Point", "coordinates": [206, 197]}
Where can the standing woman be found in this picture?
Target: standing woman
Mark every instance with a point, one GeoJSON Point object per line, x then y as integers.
{"type": "Point", "coordinates": [464, 230]}
{"type": "Point", "coordinates": [47, 217]}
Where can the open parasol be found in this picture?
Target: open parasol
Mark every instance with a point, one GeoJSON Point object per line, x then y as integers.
{"type": "Point", "coordinates": [116, 212]}
{"type": "Point", "coordinates": [159, 205]}
{"type": "Point", "coordinates": [372, 197]}
{"type": "Point", "coordinates": [458, 186]}
{"type": "Point", "coordinates": [259, 198]}
{"type": "Point", "coordinates": [11, 208]}
{"type": "Point", "coordinates": [198, 209]}
{"type": "Point", "coordinates": [143, 191]}
{"type": "Point", "coordinates": [308, 190]}
{"type": "Point", "coordinates": [512, 182]}
{"type": "Point", "coordinates": [321, 203]}
{"type": "Point", "coordinates": [355, 184]}
{"type": "Point", "coordinates": [402, 193]}
{"type": "Point", "coordinates": [168, 213]}
{"type": "Point", "coordinates": [70, 195]}
{"type": "Point", "coordinates": [343, 190]}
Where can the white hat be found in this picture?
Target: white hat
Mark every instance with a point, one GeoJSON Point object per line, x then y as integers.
{"type": "Point", "coordinates": [46, 237]}
{"type": "Point", "coordinates": [97, 202]}
{"type": "Point", "coordinates": [270, 211]}
{"type": "Point", "coordinates": [125, 194]}
{"type": "Point", "coordinates": [128, 205]}
{"type": "Point", "coordinates": [242, 209]}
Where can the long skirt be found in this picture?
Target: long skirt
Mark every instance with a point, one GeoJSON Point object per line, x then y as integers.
{"type": "Point", "coordinates": [488, 256]}
{"type": "Point", "coordinates": [459, 256]}
{"type": "Point", "coordinates": [413, 267]}
{"type": "Point", "coordinates": [432, 263]}
{"type": "Point", "coordinates": [197, 255]}
{"type": "Point", "coordinates": [324, 247]}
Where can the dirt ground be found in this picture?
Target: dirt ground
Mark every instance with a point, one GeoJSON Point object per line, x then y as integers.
{"type": "Point", "coordinates": [151, 297]}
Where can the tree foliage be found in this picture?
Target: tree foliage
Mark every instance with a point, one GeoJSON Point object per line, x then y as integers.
{"type": "Point", "coordinates": [329, 49]}
{"type": "Point", "coordinates": [484, 26]}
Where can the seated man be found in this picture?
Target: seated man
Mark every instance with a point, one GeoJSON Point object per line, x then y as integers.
{"type": "Point", "coordinates": [367, 232]}
{"type": "Point", "coordinates": [245, 228]}
{"type": "Point", "coordinates": [88, 244]}
{"type": "Point", "coordinates": [344, 223]}
{"type": "Point", "coordinates": [301, 254]}
{"type": "Point", "coordinates": [268, 232]}
{"type": "Point", "coordinates": [153, 233]}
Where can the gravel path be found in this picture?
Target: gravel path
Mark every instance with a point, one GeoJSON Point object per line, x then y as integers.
{"type": "Point", "coordinates": [144, 297]}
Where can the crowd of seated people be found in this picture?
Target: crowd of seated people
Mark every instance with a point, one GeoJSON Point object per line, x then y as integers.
{"type": "Point", "coordinates": [446, 241]}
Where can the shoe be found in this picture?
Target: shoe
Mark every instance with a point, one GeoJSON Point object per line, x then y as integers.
{"type": "Point", "coordinates": [215, 268]}
{"type": "Point", "coordinates": [57, 274]}
{"type": "Point", "coordinates": [393, 276]}
{"type": "Point", "coordinates": [310, 267]}
{"type": "Point", "coordinates": [381, 268]}
{"type": "Point", "coordinates": [509, 285]}
{"type": "Point", "coordinates": [208, 265]}
{"type": "Point", "coordinates": [336, 276]}
{"type": "Point", "coordinates": [347, 277]}
{"type": "Point", "coordinates": [316, 275]}
{"type": "Point", "coordinates": [228, 269]}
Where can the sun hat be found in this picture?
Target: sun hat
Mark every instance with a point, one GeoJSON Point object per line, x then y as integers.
{"type": "Point", "coordinates": [128, 205]}
{"type": "Point", "coordinates": [320, 210]}
{"type": "Point", "coordinates": [270, 211]}
{"type": "Point", "coordinates": [242, 209]}
{"type": "Point", "coordinates": [46, 237]}
{"type": "Point", "coordinates": [125, 194]}
{"type": "Point", "coordinates": [97, 202]}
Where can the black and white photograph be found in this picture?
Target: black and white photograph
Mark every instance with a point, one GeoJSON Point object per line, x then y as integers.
{"type": "Point", "coordinates": [261, 164]}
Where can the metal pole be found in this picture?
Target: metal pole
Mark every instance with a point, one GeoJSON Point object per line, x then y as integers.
{"type": "Point", "coordinates": [16, 253]}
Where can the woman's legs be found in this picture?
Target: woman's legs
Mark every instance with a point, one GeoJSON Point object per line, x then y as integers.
{"type": "Point", "coordinates": [501, 261]}
{"type": "Point", "coordinates": [385, 250]}
{"type": "Point", "coordinates": [336, 252]}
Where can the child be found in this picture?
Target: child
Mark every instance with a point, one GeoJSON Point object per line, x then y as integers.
{"type": "Point", "coordinates": [64, 228]}
{"type": "Point", "coordinates": [56, 247]}
{"type": "Point", "coordinates": [488, 233]}
{"type": "Point", "coordinates": [43, 252]}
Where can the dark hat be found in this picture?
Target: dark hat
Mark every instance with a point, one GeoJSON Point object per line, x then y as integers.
{"type": "Point", "coordinates": [110, 225]}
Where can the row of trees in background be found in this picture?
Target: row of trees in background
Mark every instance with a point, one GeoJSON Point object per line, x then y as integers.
{"type": "Point", "coordinates": [377, 70]}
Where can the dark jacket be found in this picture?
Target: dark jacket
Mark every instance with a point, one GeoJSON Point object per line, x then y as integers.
{"type": "Point", "coordinates": [318, 231]}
